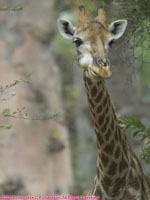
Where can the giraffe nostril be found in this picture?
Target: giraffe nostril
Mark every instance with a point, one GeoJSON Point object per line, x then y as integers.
{"type": "Point", "coordinates": [102, 63]}
{"type": "Point", "coordinates": [105, 64]}
{"type": "Point", "coordinates": [99, 62]}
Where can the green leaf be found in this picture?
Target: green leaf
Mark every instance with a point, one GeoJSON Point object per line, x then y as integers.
{"type": "Point", "coordinates": [142, 136]}
{"type": "Point", "coordinates": [49, 116]}
{"type": "Point", "coordinates": [5, 112]}
{"type": "Point", "coordinates": [137, 128]}
{"type": "Point", "coordinates": [146, 154]}
{"type": "Point", "coordinates": [136, 122]}
{"type": "Point", "coordinates": [134, 131]}
{"type": "Point", "coordinates": [5, 127]}
{"type": "Point", "coordinates": [17, 8]}
{"type": "Point", "coordinates": [148, 143]}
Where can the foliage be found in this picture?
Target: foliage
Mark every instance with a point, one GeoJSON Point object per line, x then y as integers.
{"type": "Point", "coordinates": [138, 15]}
{"type": "Point", "coordinates": [19, 113]}
{"type": "Point", "coordinates": [9, 8]}
{"type": "Point", "coordinates": [137, 6]}
{"type": "Point", "coordinates": [4, 90]}
{"type": "Point", "coordinates": [2, 127]}
{"type": "Point", "coordinates": [139, 130]}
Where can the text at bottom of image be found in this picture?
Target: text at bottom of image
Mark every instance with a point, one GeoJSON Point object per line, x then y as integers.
{"type": "Point", "coordinates": [49, 197]}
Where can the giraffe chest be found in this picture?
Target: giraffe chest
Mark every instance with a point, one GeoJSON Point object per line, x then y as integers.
{"type": "Point", "coordinates": [127, 194]}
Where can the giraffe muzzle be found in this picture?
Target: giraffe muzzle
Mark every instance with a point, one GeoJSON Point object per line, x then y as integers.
{"type": "Point", "coordinates": [102, 63]}
{"type": "Point", "coordinates": [102, 68]}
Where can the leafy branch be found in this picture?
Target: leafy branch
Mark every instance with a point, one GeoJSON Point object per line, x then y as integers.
{"type": "Point", "coordinates": [9, 8]}
{"type": "Point", "coordinates": [139, 130]}
{"type": "Point", "coordinates": [2, 127]}
{"type": "Point", "coordinates": [5, 89]}
{"type": "Point", "coordinates": [19, 113]}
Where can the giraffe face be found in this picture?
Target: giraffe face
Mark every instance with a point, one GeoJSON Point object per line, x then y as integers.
{"type": "Point", "coordinates": [92, 39]}
{"type": "Point", "coordinates": [92, 43]}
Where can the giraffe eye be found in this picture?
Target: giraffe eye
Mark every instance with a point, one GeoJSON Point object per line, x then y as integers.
{"type": "Point", "coordinates": [111, 43]}
{"type": "Point", "coordinates": [78, 42]}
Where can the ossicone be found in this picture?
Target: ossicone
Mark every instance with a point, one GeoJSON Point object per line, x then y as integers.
{"type": "Point", "coordinates": [101, 16]}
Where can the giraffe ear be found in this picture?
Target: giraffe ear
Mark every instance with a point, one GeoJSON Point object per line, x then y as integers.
{"type": "Point", "coordinates": [117, 28]}
{"type": "Point", "coordinates": [66, 28]}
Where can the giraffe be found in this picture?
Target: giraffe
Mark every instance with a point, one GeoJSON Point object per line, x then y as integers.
{"type": "Point", "coordinates": [119, 174]}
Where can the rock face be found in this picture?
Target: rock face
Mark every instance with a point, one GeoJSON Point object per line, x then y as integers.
{"type": "Point", "coordinates": [35, 156]}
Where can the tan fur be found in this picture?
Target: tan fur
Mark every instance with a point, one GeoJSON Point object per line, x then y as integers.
{"type": "Point", "coordinates": [96, 32]}
{"type": "Point", "coordinates": [83, 19]}
{"type": "Point", "coordinates": [101, 17]}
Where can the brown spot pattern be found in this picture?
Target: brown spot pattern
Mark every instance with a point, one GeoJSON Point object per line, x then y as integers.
{"type": "Point", "coordinates": [112, 169]}
{"type": "Point", "coordinates": [135, 183]}
{"type": "Point", "coordinates": [99, 109]}
{"type": "Point", "coordinates": [131, 175]}
{"type": "Point", "coordinates": [99, 83]}
{"type": "Point", "coordinates": [94, 91]}
{"type": "Point", "coordinates": [119, 183]}
{"type": "Point", "coordinates": [89, 82]}
{"type": "Point", "coordinates": [117, 153]}
{"type": "Point", "coordinates": [104, 159]}
{"type": "Point", "coordinates": [108, 134]}
{"type": "Point", "coordinates": [132, 164]}
{"type": "Point", "coordinates": [116, 136]}
{"type": "Point", "coordinates": [106, 182]}
{"type": "Point", "coordinates": [99, 97]}
{"type": "Point", "coordinates": [112, 124]}
{"type": "Point", "coordinates": [105, 101]}
{"type": "Point", "coordinates": [109, 147]}
{"type": "Point", "coordinates": [125, 149]}
{"type": "Point", "coordinates": [107, 109]}
{"type": "Point", "coordinates": [143, 187]}
{"type": "Point", "coordinates": [101, 119]}
{"type": "Point", "coordinates": [123, 165]}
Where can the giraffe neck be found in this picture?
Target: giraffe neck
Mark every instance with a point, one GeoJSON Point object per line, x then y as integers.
{"type": "Point", "coordinates": [115, 163]}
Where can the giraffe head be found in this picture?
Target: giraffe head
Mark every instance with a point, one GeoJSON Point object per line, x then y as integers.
{"type": "Point", "coordinates": [92, 39]}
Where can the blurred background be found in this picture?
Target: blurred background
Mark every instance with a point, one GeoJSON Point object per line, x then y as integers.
{"type": "Point", "coordinates": [40, 80]}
